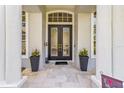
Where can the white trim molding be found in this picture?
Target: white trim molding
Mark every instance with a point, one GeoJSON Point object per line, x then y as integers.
{"type": "Point", "coordinates": [95, 83]}
{"type": "Point", "coordinates": [19, 84]}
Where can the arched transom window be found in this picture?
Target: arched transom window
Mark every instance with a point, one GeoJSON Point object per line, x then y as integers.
{"type": "Point", "coordinates": [59, 17]}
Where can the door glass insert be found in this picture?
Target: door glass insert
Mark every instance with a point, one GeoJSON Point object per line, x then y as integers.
{"type": "Point", "coordinates": [54, 41]}
{"type": "Point", "coordinates": [66, 41]}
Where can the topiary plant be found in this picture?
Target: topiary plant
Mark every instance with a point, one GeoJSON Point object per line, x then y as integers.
{"type": "Point", "coordinates": [35, 53]}
{"type": "Point", "coordinates": [83, 53]}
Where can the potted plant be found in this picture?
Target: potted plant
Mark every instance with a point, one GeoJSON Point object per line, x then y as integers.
{"type": "Point", "coordinates": [83, 56]}
{"type": "Point", "coordinates": [34, 59]}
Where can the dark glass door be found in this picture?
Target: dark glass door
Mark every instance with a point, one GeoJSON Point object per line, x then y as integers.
{"type": "Point", "coordinates": [59, 42]}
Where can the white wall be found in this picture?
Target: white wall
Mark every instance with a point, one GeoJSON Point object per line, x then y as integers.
{"type": "Point", "coordinates": [35, 33]}
{"type": "Point", "coordinates": [84, 28]}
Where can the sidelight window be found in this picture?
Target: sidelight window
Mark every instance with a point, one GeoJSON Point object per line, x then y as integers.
{"type": "Point", "coordinates": [24, 51]}
{"type": "Point", "coordinates": [93, 35]}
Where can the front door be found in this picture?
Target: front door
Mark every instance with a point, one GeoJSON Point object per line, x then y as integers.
{"type": "Point", "coordinates": [60, 42]}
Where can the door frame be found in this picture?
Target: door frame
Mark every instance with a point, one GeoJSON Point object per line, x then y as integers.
{"type": "Point", "coordinates": [49, 43]}
{"type": "Point", "coordinates": [60, 23]}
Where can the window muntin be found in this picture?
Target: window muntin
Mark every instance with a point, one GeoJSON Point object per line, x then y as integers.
{"type": "Point", "coordinates": [59, 17]}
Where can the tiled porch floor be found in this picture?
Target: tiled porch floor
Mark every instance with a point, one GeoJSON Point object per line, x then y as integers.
{"type": "Point", "coordinates": [57, 76]}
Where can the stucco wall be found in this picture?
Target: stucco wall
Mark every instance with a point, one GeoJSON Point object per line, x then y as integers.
{"type": "Point", "coordinates": [84, 37]}
{"type": "Point", "coordinates": [35, 31]}
{"type": "Point", "coordinates": [84, 29]}
{"type": "Point", "coordinates": [35, 37]}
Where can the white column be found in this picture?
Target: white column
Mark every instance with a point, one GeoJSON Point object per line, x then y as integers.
{"type": "Point", "coordinates": [103, 42]}
{"type": "Point", "coordinates": [13, 44]}
{"type": "Point", "coordinates": [118, 42]}
{"type": "Point", "coordinates": [2, 42]}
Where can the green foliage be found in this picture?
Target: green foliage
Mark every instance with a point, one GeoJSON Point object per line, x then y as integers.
{"type": "Point", "coordinates": [83, 53]}
{"type": "Point", "coordinates": [35, 53]}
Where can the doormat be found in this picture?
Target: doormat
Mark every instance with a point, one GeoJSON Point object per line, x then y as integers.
{"type": "Point", "coordinates": [61, 63]}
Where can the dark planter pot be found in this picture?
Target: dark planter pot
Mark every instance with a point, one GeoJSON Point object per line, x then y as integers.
{"type": "Point", "coordinates": [34, 63]}
{"type": "Point", "coordinates": [83, 63]}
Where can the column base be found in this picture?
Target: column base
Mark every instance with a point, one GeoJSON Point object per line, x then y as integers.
{"type": "Point", "coordinates": [3, 84]}
{"type": "Point", "coordinates": [95, 83]}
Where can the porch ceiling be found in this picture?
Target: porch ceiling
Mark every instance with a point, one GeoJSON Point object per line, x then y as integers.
{"type": "Point", "coordinates": [73, 8]}
{"type": "Point", "coordinates": [31, 8]}
{"type": "Point", "coordinates": [86, 8]}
